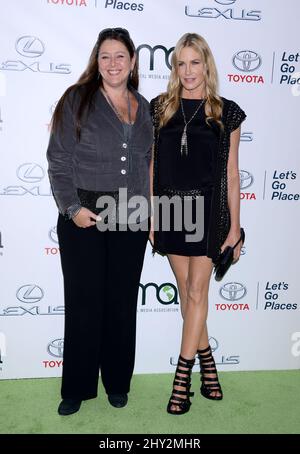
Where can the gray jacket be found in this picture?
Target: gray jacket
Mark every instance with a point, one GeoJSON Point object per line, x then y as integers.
{"type": "Point", "coordinates": [102, 160]}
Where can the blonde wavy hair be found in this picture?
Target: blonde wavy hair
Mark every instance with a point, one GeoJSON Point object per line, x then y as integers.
{"type": "Point", "coordinates": [169, 102]}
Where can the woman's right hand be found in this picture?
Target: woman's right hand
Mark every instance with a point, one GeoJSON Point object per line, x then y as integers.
{"type": "Point", "coordinates": [85, 218]}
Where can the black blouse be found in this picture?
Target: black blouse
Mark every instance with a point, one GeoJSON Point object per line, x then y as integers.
{"type": "Point", "coordinates": [219, 226]}
{"type": "Point", "coordinates": [196, 169]}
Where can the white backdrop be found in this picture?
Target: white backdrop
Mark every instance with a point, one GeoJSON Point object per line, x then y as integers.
{"type": "Point", "coordinates": [254, 318]}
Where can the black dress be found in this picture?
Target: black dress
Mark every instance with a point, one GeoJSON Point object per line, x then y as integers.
{"type": "Point", "coordinates": [187, 177]}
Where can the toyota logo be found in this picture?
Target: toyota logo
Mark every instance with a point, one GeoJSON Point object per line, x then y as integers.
{"type": "Point", "coordinates": [246, 60]}
{"type": "Point", "coordinates": [30, 172]}
{"type": "Point", "coordinates": [30, 46]}
{"type": "Point", "coordinates": [52, 107]}
{"type": "Point", "coordinates": [53, 235]}
{"type": "Point", "coordinates": [30, 293]}
{"type": "Point", "coordinates": [56, 348]}
{"type": "Point", "coordinates": [233, 291]}
{"type": "Point", "coordinates": [246, 179]}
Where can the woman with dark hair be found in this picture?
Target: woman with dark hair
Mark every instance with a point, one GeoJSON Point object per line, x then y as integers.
{"type": "Point", "coordinates": [196, 143]}
{"type": "Point", "coordinates": [100, 143]}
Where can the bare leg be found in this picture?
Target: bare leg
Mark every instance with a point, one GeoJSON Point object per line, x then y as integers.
{"type": "Point", "coordinates": [200, 269]}
{"type": "Point", "coordinates": [192, 276]}
{"type": "Point", "coordinates": [194, 334]}
{"type": "Point", "coordinates": [180, 268]}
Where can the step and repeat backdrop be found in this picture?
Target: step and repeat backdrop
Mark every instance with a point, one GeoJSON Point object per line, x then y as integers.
{"type": "Point", "coordinates": [254, 314]}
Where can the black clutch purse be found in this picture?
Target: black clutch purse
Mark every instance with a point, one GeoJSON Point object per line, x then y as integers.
{"type": "Point", "coordinates": [226, 258]}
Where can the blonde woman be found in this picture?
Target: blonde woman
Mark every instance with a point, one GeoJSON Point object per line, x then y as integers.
{"type": "Point", "coordinates": [197, 135]}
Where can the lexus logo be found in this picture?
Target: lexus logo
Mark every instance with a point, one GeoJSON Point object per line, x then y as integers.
{"type": "Point", "coordinates": [225, 2]}
{"type": "Point", "coordinates": [246, 179]}
{"type": "Point", "coordinates": [30, 46]}
{"type": "Point", "coordinates": [233, 291]}
{"type": "Point", "coordinates": [214, 344]}
{"type": "Point", "coordinates": [30, 172]}
{"type": "Point", "coordinates": [56, 348]}
{"type": "Point", "coordinates": [246, 61]}
{"type": "Point", "coordinates": [30, 293]}
{"type": "Point", "coordinates": [53, 235]}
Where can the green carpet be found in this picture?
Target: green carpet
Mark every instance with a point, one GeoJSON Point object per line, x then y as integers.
{"type": "Point", "coordinates": [254, 403]}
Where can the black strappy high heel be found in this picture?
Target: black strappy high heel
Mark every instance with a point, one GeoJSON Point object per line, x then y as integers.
{"type": "Point", "coordinates": [210, 386]}
{"type": "Point", "coordinates": [182, 378]}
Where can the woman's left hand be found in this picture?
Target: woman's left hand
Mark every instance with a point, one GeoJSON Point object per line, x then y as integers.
{"type": "Point", "coordinates": [232, 238]}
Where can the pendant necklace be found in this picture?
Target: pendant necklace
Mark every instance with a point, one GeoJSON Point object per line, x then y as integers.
{"type": "Point", "coordinates": [121, 118]}
{"type": "Point", "coordinates": [184, 144]}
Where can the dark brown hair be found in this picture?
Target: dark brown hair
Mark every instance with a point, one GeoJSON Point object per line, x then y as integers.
{"type": "Point", "coordinates": [90, 80]}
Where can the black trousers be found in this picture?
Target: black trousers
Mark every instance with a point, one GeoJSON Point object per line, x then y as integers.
{"type": "Point", "coordinates": [101, 273]}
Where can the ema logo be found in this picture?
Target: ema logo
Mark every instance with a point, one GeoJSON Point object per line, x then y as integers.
{"type": "Point", "coordinates": [165, 294]}
{"type": "Point", "coordinates": [31, 47]}
{"type": "Point", "coordinates": [163, 51]}
{"type": "Point", "coordinates": [246, 61]}
{"type": "Point", "coordinates": [225, 9]}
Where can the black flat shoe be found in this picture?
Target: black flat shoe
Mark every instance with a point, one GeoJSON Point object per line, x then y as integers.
{"type": "Point", "coordinates": [69, 406]}
{"type": "Point", "coordinates": [117, 400]}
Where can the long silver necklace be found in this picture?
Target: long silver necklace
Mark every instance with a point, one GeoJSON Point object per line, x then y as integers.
{"type": "Point", "coordinates": [184, 144]}
{"type": "Point", "coordinates": [121, 118]}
